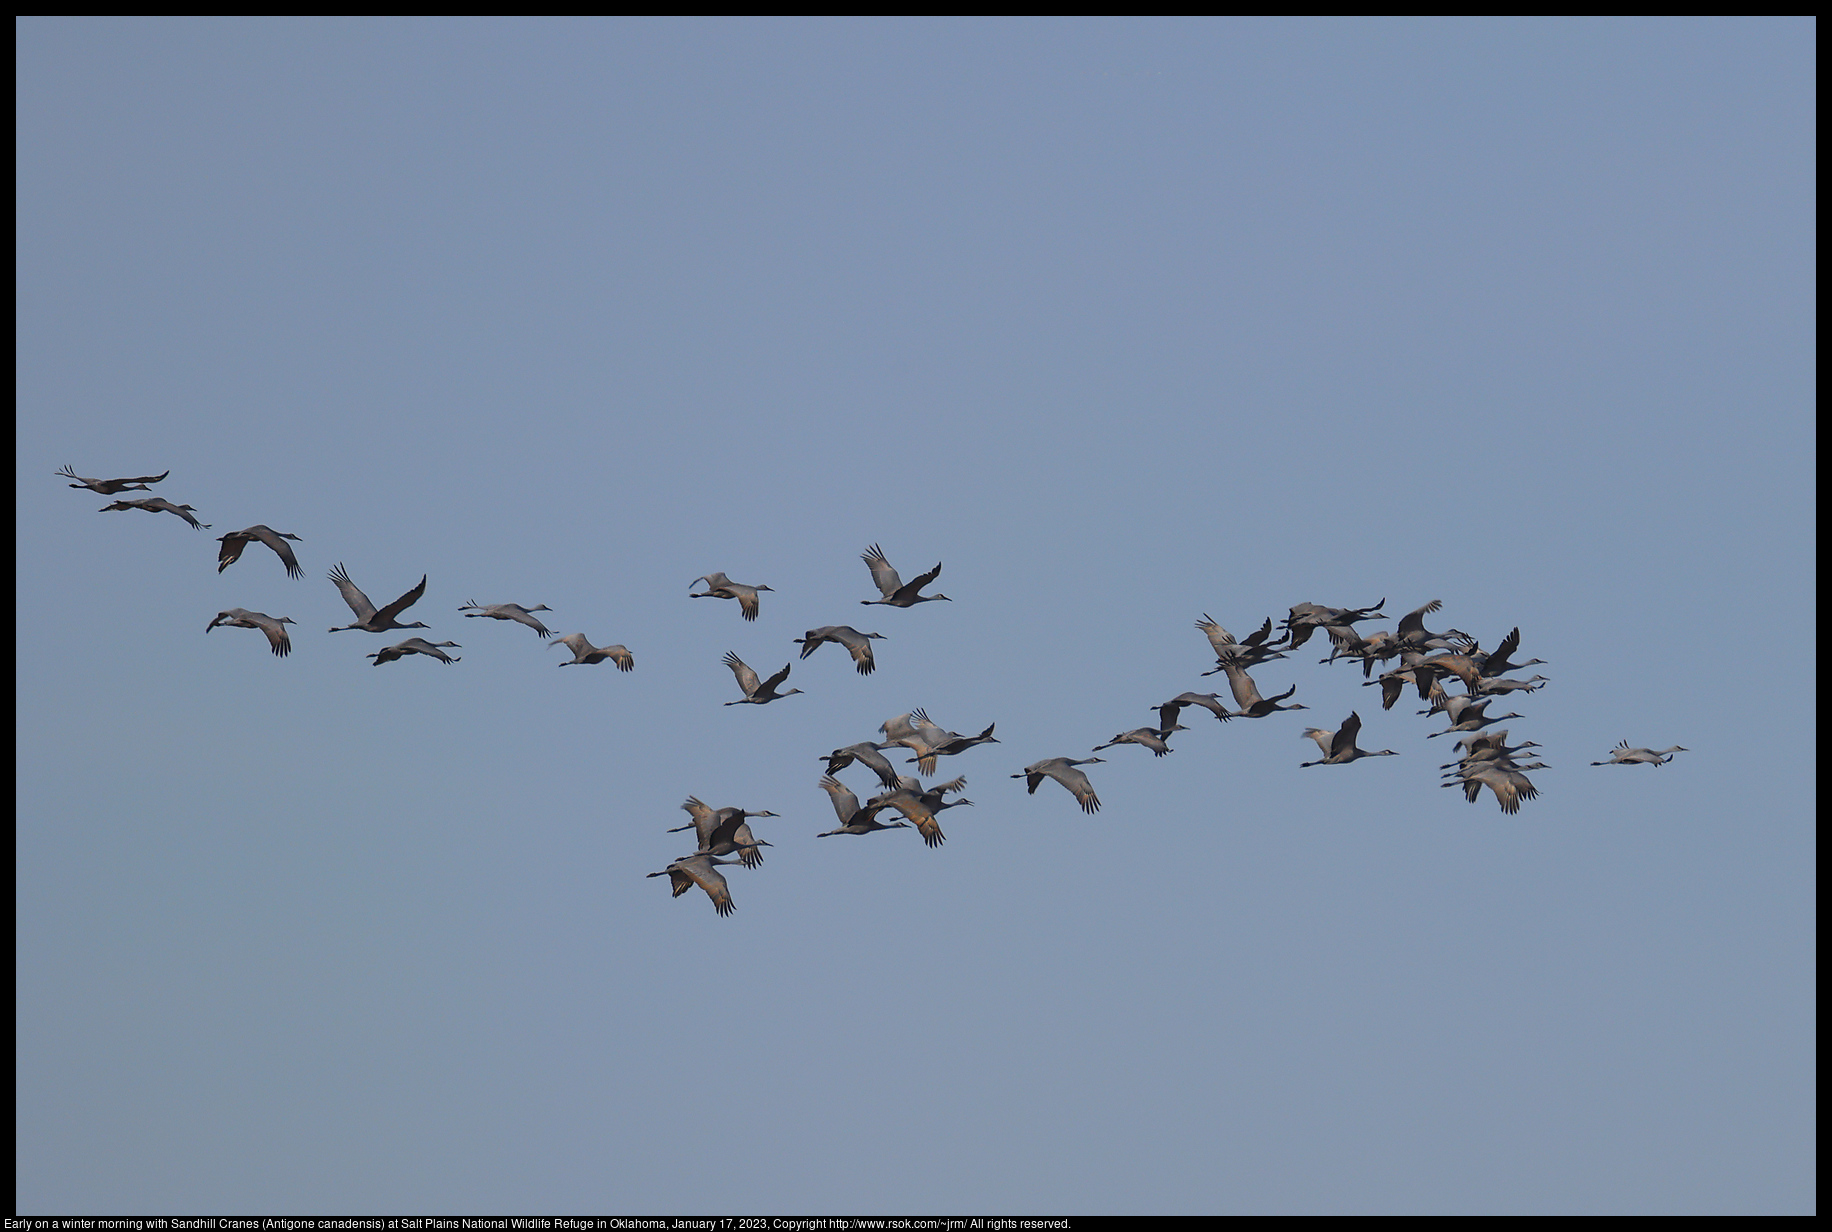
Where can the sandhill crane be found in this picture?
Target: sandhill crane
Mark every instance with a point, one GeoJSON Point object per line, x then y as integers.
{"type": "Point", "coordinates": [1467, 715]}
{"type": "Point", "coordinates": [585, 652]}
{"type": "Point", "coordinates": [274, 628]}
{"type": "Point", "coordinates": [718, 586]}
{"type": "Point", "coordinates": [108, 487]}
{"type": "Point", "coordinates": [1348, 643]}
{"type": "Point", "coordinates": [1168, 711]}
{"type": "Point", "coordinates": [1490, 745]}
{"type": "Point", "coordinates": [1147, 737]}
{"type": "Point", "coordinates": [747, 680]}
{"type": "Point", "coordinates": [703, 871]}
{"type": "Point", "coordinates": [945, 743]}
{"type": "Point", "coordinates": [367, 618]}
{"type": "Point", "coordinates": [1247, 694]}
{"type": "Point", "coordinates": [866, 754]}
{"type": "Point", "coordinates": [857, 644]}
{"type": "Point", "coordinates": [1509, 785]}
{"type": "Point", "coordinates": [724, 831]}
{"type": "Point", "coordinates": [903, 730]}
{"type": "Point", "coordinates": [1499, 662]}
{"type": "Point", "coordinates": [919, 805]}
{"type": "Point", "coordinates": [156, 504]}
{"type": "Point", "coordinates": [1339, 746]}
{"type": "Point", "coordinates": [1253, 650]}
{"type": "Point", "coordinates": [235, 541]}
{"type": "Point", "coordinates": [1487, 685]}
{"type": "Point", "coordinates": [916, 733]}
{"type": "Point", "coordinates": [853, 819]}
{"type": "Point", "coordinates": [895, 593]}
{"type": "Point", "coordinates": [1393, 685]}
{"type": "Point", "coordinates": [1063, 770]}
{"type": "Point", "coordinates": [510, 611]}
{"type": "Point", "coordinates": [1413, 635]}
{"type": "Point", "coordinates": [1307, 618]}
{"type": "Point", "coordinates": [1622, 755]}
{"type": "Point", "coordinates": [1450, 663]}
{"type": "Point", "coordinates": [413, 645]}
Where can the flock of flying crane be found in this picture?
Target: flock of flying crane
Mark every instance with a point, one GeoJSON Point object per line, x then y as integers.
{"type": "Point", "coordinates": [1427, 661]}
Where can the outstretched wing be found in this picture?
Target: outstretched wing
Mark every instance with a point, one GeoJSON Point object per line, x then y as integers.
{"type": "Point", "coordinates": [358, 601]}
{"type": "Point", "coordinates": [922, 581]}
{"type": "Point", "coordinates": [882, 575]}
{"type": "Point", "coordinates": [404, 602]}
{"type": "Point", "coordinates": [747, 679]}
{"type": "Point", "coordinates": [231, 550]}
{"type": "Point", "coordinates": [1345, 735]}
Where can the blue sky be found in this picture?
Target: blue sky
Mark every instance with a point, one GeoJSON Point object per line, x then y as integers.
{"type": "Point", "coordinates": [1124, 322]}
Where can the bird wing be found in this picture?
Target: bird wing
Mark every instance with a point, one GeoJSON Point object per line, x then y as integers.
{"type": "Point", "coordinates": [280, 547]}
{"type": "Point", "coordinates": [709, 878]}
{"type": "Point", "coordinates": [862, 655]}
{"type": "Point", "coordinates": [1220, 640]}
{"type": "Point", "coordinates": [1414, 621]}
{"type": "Point", "coordinates": [769, 686]}
{"type": "Point", "coordinates": [233, 543]}
{"type": "Point", "coordinates": [358, 601]}
{"type": "Point", "coordinates": [909, 591]}
{"type": "Point", "coordinates": [882, 575]}
{"type": "Point", "coordinates": [918, 815]}
{"type": "Point", "coordinates": [845, 804]}
{"type": "Point", "coordinates": [747, 679]}
{"type": "Point", "coordinates": [525, 616]}
{"type": "Point", "coordinates": [747, 601]}
{"type": "Point", "coordinates": [1077, 783]}
{"type": "Point", "coordinates": [276, 634]}
{"type": "Point", "coordinates": [404, 602]}
{"type": "Point", "coordinates": [621, 656]}
{"type": "Point", "coordinates": [184, 511]}
{"type": "Point", "coordinates": [899, 730]}
{"type": "Point", "coordinates": [1246, 693]}
{"type": "Point", "coordinates": [880, 765]}
{"type": "Point", "coordinates": [1345, 735]}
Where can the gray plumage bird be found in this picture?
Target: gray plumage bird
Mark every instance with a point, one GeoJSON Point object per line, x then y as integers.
{"type": "Point", "coordinates": [1339, 746]}
{"type": "Point", "coordinates": [413, 645]}
{"type": "Point", "coordinates": [718, 586]}
{"type": "Point", "coordinates": [1622, 755]}
{"type": "Point", "coordinates": [853, 819]}
{"type": "Point", "coordinates": [725, 831]}
{"type": "Point", "coordinates": [893, 590]}
{"type": "Point", "coordinates": [1152, 738]}
{"type": "Point", "coordinates": [108, 487]}
{"type": "Point", "coordinates": [273, 627]}
{"type": "Point", "coordinates": [368, 619]}
{"type": "Point", "coordinates": [510, 611]}
{"type": "Point", "coordinates": [866, 754]}
{"type": "Point", "coordinates": [585, 652]}
{"type": "Point", "coordinates": [156, 504]}
{"type": "Point", "coordinates": [755, 691]}
{"type": "Point", "coordinates": [1063, 770]}
{"type": "Point", "coordinates": [1247, 694]}
{"type": "Point", "coordinates": [857, 644]}
{"type": "Point", "coordinates": [703, 871]}
{"type": "Point", "coordinates": [235, 541]}
{"type": "Point", "coordinates": [919, 805]}
{"type": "Point", "coordinates": [1211, 702]}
